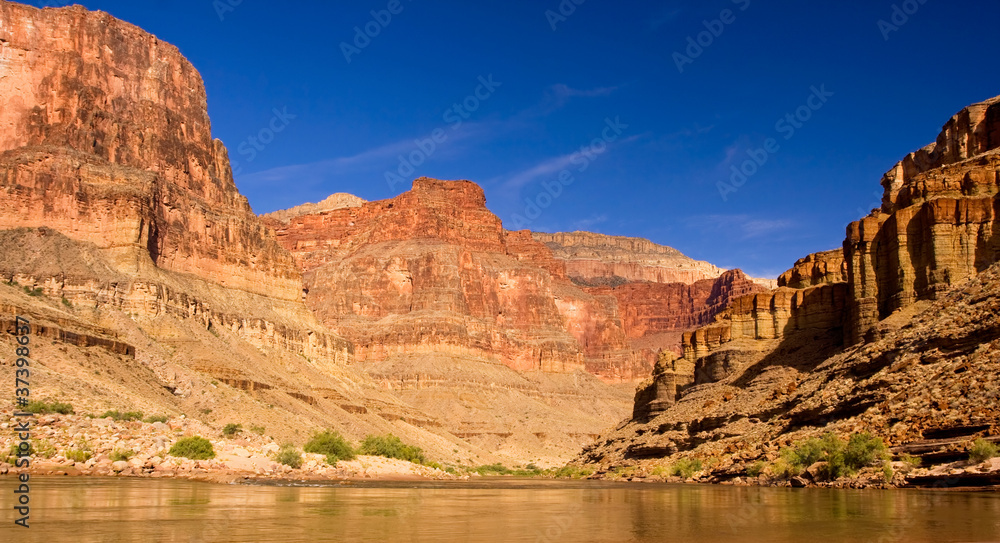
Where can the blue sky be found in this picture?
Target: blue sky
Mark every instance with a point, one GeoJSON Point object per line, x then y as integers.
{"type": "Point", "coordinates": [645, 121]}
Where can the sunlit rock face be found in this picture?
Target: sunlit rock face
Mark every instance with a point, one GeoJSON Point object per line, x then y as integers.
{"type": "Point", "coordinates": [105, 136]}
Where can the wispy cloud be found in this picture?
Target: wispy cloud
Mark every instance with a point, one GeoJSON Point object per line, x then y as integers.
{"type": "Point", "coordinates": [590, 222]}
{"type": "Point", "coordinates": [740, 226]}
{"type": "Point", "coordinates": [550, 166]}
{"type": "Point", "coordinates": [370, 162]}
{"type": "Point", "coordinates": [542, 169]}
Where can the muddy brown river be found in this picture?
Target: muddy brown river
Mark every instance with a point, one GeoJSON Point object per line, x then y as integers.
{"type": "Point", "coordinates": [489, 510]}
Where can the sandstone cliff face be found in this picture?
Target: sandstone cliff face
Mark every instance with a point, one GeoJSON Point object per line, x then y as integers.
{"type": "Point", "coordinates": [816, 269]}
{"type": "Point", "coordinates": [334, 201]}
{"type": "Point", "coordinates": [104, 135]}
{"type": "Point", "coordinates": [473, 324]}
{"type": "Point", "coordinates": [597, 259]}
{"type": "Point", "coordinates": [432, 270]}
{"type": "Point", "coordinates": [742, 378]}
{"type": "Point", "coordinates": [125, 242]}
{"type": "Point", "coordinates": [936, 225]}
{"type": "Point", "coordinates": [926, 387]}
{"type": "Point", "coordinates": [650, 308]}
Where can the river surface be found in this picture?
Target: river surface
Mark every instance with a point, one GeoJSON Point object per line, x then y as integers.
{"type": "Point", "coordinates": [490, 510]}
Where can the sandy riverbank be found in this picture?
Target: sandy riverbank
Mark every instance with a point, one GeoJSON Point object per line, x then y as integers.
{"type": "Point", "coordinates": [80, 445]}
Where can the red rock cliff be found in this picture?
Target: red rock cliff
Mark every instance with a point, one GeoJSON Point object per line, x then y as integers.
{"type": "Point", "coordinates": [432, 271]}
{"type": "Point", "coordinates": [105, 136]}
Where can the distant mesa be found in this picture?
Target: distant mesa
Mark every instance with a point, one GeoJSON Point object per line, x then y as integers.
{"type": "Point", "coordinates": [334, 201]}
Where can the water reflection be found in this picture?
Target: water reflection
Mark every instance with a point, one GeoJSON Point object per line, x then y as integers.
{"type": "Point", "coordinates": [78, 509]}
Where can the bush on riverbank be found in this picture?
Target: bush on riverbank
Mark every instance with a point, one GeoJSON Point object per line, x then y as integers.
{"type": "Point", "coordinates": [44, 408]}
{"type": "Point", "coordinates": [841, 458]}
{"type": "Point", "coordinates": [391, 446]}
{"type": "Point", "coordinates": [573, 472]}
{"type": "Point", "coordinates": [121, 455]}
{"type": "Point", "coordinates": [330, 444]}
{"type": "Point", "coordinates": [685, 467]}
{"type": "Point", "coordinates": [982, 451]}
{"type": "Point", "coordinates": [119, 416]}
{"type": "Point", "coordinates": [289, 456]}
{"type": "Point", "coordinates": [195, 448]}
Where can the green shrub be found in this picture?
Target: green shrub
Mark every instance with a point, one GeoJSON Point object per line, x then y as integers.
{"type": "Point", "coordinates": [11, 456]}
{"type": "Point", "coordinates": [289, 456]}
{"type": "Point", "coordinates": [914, 461]}
{"type": "Point", "coordinates": [982, 451]}
{"type": "Point", "coordinates": [842, 459]}
{"type": "Point", "coordinates": [43, 449]}
{"type": "Point", "coordinates": [686, 467]}
{"type": "Point", "coordinates": [864, 450]}
{"type": "Point", "coordinates": [66, 302]}
{"type": "Point", "coordinates": [155, 418]}
{"type": "Point", "coordinates": [120, 416]}
{"type": "Point", "coordinates": [887, 472]}
{"type": "Point", "coordinates": [259, 430]}
{"type": "Point", "coordinates": [756, 469]}
{"type": "Point", "coordinates": [573, 472]}
{"type": "Point", "coordinates": [121, 454]}
{"type": "Point", "coordinates": [660, 471]}
{"type": "Point", "coordinates": [492, 469]}
{"type": "Point", "coordinates": [232, 429]}
{"type": "Point", "coordinates": [784, 470]}
{"type": "Point", "coordinates": [44, 408]}
{"type": "Point", "coordinates": [78, 455]}
{"type": "Point", "coordinates": [330, 444]}
{"type": "Point", "coordinates": [195, 448]}
{"type": "Point", "coordinates": [33, 291]}
{"type": "Point", "coordinates": [391, 446]}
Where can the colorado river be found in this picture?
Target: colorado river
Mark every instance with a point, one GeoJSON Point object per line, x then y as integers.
{"type": "Point", "coordinates": [110, 510]}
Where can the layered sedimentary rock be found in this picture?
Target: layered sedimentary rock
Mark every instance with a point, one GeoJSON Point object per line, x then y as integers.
{"type": "Point", "coordinates": [149, 283]}
{"type": "Point", "coordinates": [936, 224]}
{"type": "Point", "coordinates": [651, 308]}
{"type": "Point", "coordinates": [935, 231]}
{"type": "Point", "coordinates": [105, 136]}
{"type": "Point", "coordinates": [816, 269]}
{"type": "Point", "coordinates": [432, 271]}
{"type": "Point", "coordinates": [334, 201]}
{"type": "Point", "coordinates": [596, 259]}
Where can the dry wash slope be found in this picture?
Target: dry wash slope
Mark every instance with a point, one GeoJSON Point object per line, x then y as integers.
{"type": "Point", "coordinates": [935, 368]}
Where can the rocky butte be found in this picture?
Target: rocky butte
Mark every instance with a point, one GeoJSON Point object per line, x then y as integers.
{"type": "Point", "coordinates": [893, 334]}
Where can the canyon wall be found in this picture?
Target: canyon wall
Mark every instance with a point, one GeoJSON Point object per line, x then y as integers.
{"type": "Point", "coordinates": [935, 228]}
{"type": "Point", "coordinates": [125, 242]}
{"type": "Point", "coordinates": [596, 259]}
{"type": "Point", "coordinates": [432, 271]}
{"type": "Point", "coordinates": [934, 233]}
{"type": "Point", "coordinates": [105, 136]}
